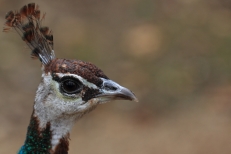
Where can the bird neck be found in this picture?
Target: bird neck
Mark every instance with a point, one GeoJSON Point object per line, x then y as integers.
{"type": "Point", "coordinates": [48, 132]}
{"type": "Point", "coordinates": [46, 140]}
{"type": "Point", "coordinates": [52, 119]}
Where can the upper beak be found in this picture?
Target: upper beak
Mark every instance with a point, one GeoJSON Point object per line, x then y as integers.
{"type": "Point", "coordinates": [110, 90]}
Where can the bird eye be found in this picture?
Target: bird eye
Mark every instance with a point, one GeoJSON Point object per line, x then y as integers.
{"type": "Point", "coordinates": [70, 85]}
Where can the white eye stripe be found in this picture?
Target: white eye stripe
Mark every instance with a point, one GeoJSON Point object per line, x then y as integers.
{"type": "Point", "coordinates": [84, 81]}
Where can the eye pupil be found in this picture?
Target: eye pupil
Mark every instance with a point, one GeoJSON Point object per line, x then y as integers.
{"type": "Point", "coordinates": [71, 86]}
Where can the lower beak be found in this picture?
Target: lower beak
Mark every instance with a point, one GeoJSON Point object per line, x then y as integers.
{"type": "Point", "coordinates": [124, 94]}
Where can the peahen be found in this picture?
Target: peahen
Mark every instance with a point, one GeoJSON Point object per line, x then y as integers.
{"type": "Point", "coordinates": [68, 90]}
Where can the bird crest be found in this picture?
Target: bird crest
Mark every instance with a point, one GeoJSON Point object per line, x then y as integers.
{"type": "Point", "coordinates": [28, 24]}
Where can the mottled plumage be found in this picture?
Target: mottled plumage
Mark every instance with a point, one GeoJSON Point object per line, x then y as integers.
{"type": "Point", "coordinates": [68, 90]}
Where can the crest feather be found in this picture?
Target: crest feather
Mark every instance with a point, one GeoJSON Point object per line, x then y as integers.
{"type": "Point", "coordinates": [28, 25]}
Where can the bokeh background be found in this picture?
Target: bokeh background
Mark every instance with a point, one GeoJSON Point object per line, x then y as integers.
{"type": "Point", "coordinates": [174, 54]}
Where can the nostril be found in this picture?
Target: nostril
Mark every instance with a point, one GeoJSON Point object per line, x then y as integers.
{"type": "Point", "coordinates": [109, 87]}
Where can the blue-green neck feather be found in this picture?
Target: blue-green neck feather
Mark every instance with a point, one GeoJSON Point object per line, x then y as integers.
{"type": "Point", "coordinates": [37, 141]}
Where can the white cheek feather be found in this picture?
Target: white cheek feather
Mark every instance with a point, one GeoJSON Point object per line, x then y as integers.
{"type": "Point", "coordinates": [61, 111]}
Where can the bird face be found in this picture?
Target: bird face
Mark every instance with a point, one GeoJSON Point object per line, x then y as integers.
{"type": "Point", "coordinates": [72, 86]}
{"type": "Point", "coordinates": [75, 87]}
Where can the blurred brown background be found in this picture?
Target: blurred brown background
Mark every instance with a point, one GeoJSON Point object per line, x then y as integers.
{"type": "Point", "coordinates": [174, 54]}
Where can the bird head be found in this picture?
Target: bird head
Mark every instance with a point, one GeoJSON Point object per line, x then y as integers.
{"type": "Point", "coordinates": [72, 87]}
{"type": "Point", "coordinates": [69, 88]}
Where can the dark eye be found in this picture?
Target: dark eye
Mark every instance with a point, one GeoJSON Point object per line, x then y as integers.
{"type": "Point", "coordinates": [70, 85]}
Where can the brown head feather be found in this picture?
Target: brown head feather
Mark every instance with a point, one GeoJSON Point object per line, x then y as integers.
{"type": "Point", "coordinates": [9, 16]}
{"type": "Point", "coordinates": [23, 11]}
{"type": "Point", "coordinates": [84, 69]}
{"type": "Point", "coordinates": [37, 14]}
{"type": "Point", "coordinates": [31, 8]}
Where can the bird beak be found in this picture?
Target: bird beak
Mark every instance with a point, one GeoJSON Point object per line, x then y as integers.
{"type": "Point", "coordinates": [111, 90]}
